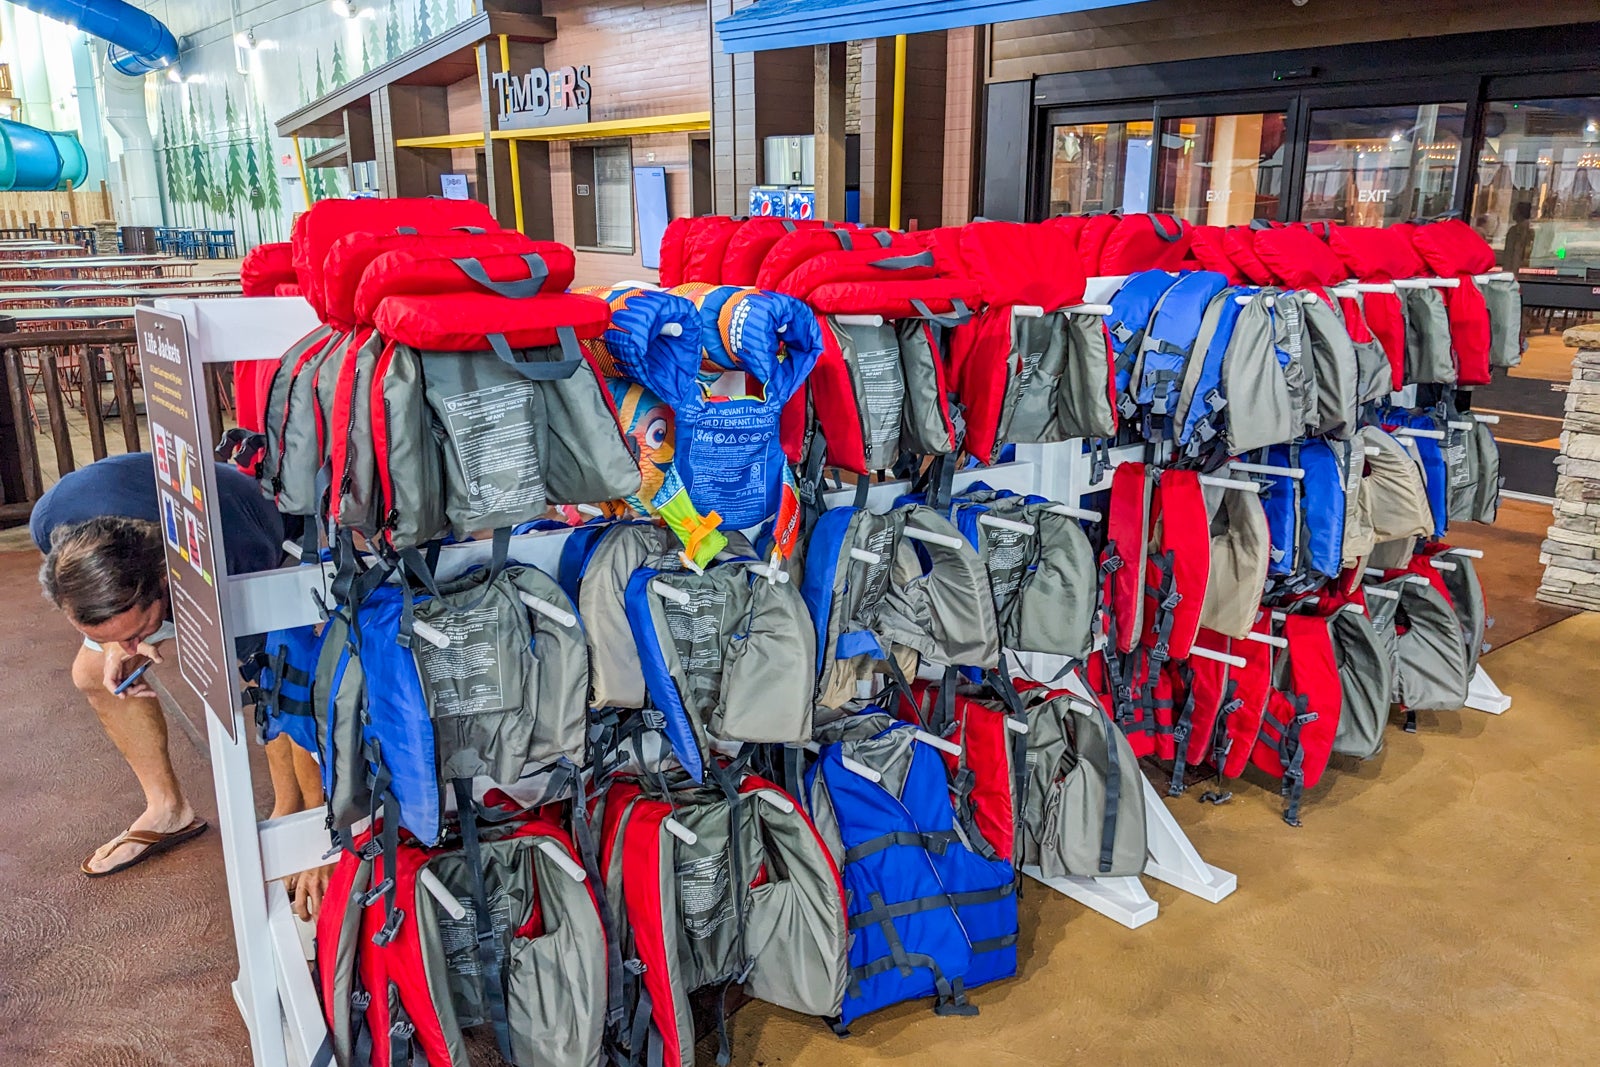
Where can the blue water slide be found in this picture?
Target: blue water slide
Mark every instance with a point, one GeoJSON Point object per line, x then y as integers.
{"type": "Point", "coordinates": [140, 43]}
{"type": "Point", "coordinates": [35, 159]}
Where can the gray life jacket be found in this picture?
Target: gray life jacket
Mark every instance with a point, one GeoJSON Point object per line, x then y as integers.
{"type": "Point", "coordinates": [1472, 459]}
{"type": "Point", "coordinates": [1430, 657]}
{"type": "Point", "coordinates": [508, 690]}
{"type": "Point", "coordinates": [1043, 582]}
{"type": "Point", "coordinates": [1504, 301]}
{"type": "Point", "coordinates": [914, 599]}
{"type": "Point", "coordinates": [726, 654]}
{"type": "Point", "coordinates": [1084, 812]}
{"type": "Point", "coordinates": [1393, 508]}
{"type": "Point", "coordinates": [897, 391]}
{"type": "Point", "coordinates": [1374, 376]}
{"type": "Point", "coordinates": [1471, 607]}
{"type": "Point", "coordinates": [1241, 548]}
{"type": "Point", "coordinates": [1057, 380]}
{"type": "Point", "coordinates": [1366, 679]}
{"type": "Point", "coordinates": [1265, 394]}
{"type": "Point", "coordinates": [1334, 369]}
{"type": "Point", "coordinates": [1428, 353]}
{"type": "Point", "coordinates": [527, 954]}
{"type": "Point", "coordinates": [293, 454]}
{"type": "Point", "coordinates": [754, 898]}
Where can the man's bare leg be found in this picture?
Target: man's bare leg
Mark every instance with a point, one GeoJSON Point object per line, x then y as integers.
{"type": "Point", "coordinates": [139, 730]}
{"type": "Point", "coordinates": [286, 797]}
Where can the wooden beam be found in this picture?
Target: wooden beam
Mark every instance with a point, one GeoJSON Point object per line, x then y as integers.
{"type": "Point", "coordinates": [828, 111]}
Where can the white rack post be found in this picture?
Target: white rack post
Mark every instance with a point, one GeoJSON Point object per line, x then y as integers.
{"type": "Point", "coordinates": [274, 990]}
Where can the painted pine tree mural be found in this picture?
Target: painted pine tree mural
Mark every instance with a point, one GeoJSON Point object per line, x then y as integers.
{"type": "Point", "coordinates": [199, 166]}
{"type": "Point", "coordinates": [423, 24]}
{"type": "Point", "coordinates": [238, 191]}
{"type": "Point", "coordinates": [339, 75]}
{"type": "Point", "coordinates": [272, 188]}
{"type": "Point", "coordinates": [391, 33]}
{"type": "Point", "coordinates": [255, 193]}
{"type": "Point", "coordinates": [216, 163]}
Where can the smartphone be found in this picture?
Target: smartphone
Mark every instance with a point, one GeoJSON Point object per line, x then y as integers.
{"type": "Point", "coordinates": [136, 666]}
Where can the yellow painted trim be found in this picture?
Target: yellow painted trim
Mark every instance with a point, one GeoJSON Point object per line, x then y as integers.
{"type": "Point", "coordinates": [689, 120]}
{"type": "Point", "coordinates": [443, 140]}
{"type": "Point", "coordinates": [516, 161]}
{"type": "Point", "coordinates": [897, 144]}
{"type": "Point", "coordinates": [299, 161]}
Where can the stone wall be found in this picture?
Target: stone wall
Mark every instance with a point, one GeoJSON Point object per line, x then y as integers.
{"type": "Point", "coordinates": [1571, 550]}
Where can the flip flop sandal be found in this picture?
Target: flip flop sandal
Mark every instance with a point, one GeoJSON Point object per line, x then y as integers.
{"type": "Point", "coordinates": [154, 844]}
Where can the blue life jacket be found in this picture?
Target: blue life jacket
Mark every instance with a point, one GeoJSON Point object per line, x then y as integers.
{"type": "Point", "coordinates": [1434, 472]}
{"type": "Point", "coordinates": [282, 675]}
{"type": "Point", "coordinates": [1131, 308]}
{"type": "Point", "coordinates": [1280, 499]}
{"type": "Point", "coordinates": [1305, 518]}
{"type": "Point", "coordinates": [399, 730]}
{"type": "Point", "coordinates": [1207, 402]}
{"type": "Point", "coordinates": [727, 452]}
{"type": "Point", "coordinates": [928, 916]}
{"type": "Point", "coordinates": [1322, 508]}
{"type": "Point", "coordinates": [1170, 338]}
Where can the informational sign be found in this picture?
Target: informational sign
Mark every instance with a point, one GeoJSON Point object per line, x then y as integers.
{"type": "Point", "coordinates": [650, 208]}
{"type": "Point", "coordinates": [186, 487]}
{"type": "Point", "coordinates": [454, 186]}
{"type": "Point", "coordinates": [544, 96]}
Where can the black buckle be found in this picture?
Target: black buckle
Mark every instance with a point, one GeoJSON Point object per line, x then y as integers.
{"type": "Point", "coordinates": [377, 892]}
{"type": "Point", "coordinates": [1212, 796]}
{"type": "Point", "coordinates": [391, 927]}
{"type": "Point", "coordinates": [653, 718]}
{"type": "Point", "coordinates": [634, 966]}
{"type": "Point", "coordinates": [1161, 652]}
{"type": "Point", "coordinates": [1112, 565]}
{"type": "Point", "coordinates": [371, 850]}
{"type": "Point", "coordinates": [361, 1000]}
{"type": "Point", "coordinates": [402, 1030]}
{"type": "Point", "coordinates": [1172, 600]}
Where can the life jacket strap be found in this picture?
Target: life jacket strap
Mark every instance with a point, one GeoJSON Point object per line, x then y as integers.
{"type": "Point", "coordinates": [491, 975]}
{"type": "Point", "coordinates": [934, 841]}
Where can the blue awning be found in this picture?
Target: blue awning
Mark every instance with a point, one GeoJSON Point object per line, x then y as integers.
{"type": "Point", "coordinates": [768, 24]}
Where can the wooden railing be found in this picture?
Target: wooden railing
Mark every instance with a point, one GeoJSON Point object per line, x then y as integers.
{"type": "Point", "coordinates": [51, 366]}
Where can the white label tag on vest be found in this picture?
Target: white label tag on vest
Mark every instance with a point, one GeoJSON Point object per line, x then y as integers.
{"type": "Point", "coordinates": [703, 897]}
{"type": "Point", "coordinates": [491, 431]}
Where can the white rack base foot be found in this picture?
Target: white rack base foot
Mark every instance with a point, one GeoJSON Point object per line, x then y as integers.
{"type": "Point", "coordinates": [1484, 695]}
{"type": "Point", "coordinates": [1174, 859]}
{"type": "Point", "coordinates": [1122, 900]}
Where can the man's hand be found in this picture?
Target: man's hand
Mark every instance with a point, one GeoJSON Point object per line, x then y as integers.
{"type": "Point", "coordinates": [306, 890]}
{"type": "Point", "coordinates": [116, 669]}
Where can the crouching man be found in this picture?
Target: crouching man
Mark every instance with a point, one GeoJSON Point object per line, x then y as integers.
{"type": "Point", "coordinates": [105, 568]}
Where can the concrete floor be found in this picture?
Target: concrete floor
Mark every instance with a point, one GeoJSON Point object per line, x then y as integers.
{"type": "Point", "coordinates": [1431, 908]}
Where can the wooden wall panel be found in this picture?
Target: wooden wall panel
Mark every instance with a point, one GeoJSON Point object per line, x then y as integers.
{"type": "Point", "coordinates": [961, 101]}
{"type": "Point", "coordinates": [670, 150]}
{"type": "Point", "coordinates": [1160, 31]}
{"type": "Point", "coordinates": [76, 207]}
{"type": "Point", "coordinates": [645, 58]}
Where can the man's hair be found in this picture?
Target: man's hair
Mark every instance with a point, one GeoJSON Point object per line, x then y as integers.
{"type": "Point", "coordinates": [98, 569]}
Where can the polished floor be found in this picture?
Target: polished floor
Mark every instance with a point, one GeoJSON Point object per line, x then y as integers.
{"type": "Point", "coordinates": [1434, 908]}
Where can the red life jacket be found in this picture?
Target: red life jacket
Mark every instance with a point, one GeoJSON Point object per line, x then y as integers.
{"type": "Point", "coordinates": [264, 268]}
{"type": "Point", "coordinates": [1302, 716]}
{"type": "Point", "coordinates": [329, 220]}
{"type": "Point", "coordinates": [420, 983]}
{"type": "Point", "coordinates": [987, 777]}
{"type": "Point", "coordinates": [1299, 260]}
{"type": "Point", "coordinates": [1219, 714]}
{"type": "Point", "coordinates": [1240, 244]}
{"type": "Point", "coordinates": [753, 240]}
{"type": "Point", "coordinates": [992, 357]}
{"type": "Point", "coordinates": [1455, 250]}
{"type": "Point", "coordinates": [1378, 255]}
{"type": "Point", "coordinates": [1092, 237]}
{"type": "Point", "coordinates": [1179, 564]}
{"type": "Point", "coordinates": [1208, 251]}
{"type": "Point", "coordinates": [1144, 241]}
